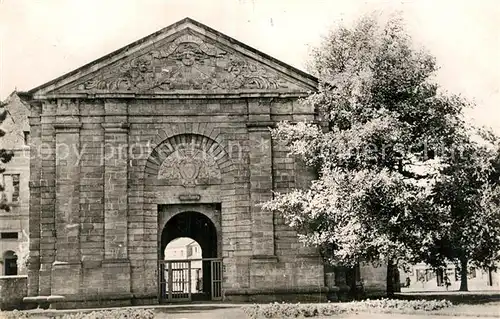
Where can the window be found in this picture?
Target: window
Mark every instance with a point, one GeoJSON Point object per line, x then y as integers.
{"type": "Point", "coordinates": [26, 138]}
{"type": "Point", "coordinates": [9, 235]}
{"type": "Point", "coordinates": [15, 183]}
{"type": "Point", "coordinates": [11, 184]}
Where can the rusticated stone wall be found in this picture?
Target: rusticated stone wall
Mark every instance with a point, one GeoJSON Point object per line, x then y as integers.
{"type": "Point", "coordinates": [96, 191]}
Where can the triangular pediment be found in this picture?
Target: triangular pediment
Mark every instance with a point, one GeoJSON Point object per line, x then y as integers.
{"type": "Point", "coordinates": [187, 57]}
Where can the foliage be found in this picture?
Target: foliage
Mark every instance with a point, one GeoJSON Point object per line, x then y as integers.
{"type": "Point", "coordinates": [284, 310]}
{"type": "Point", "coordinates": [468, 188]}
{"type": "Point", "coordinates": [384, 127]}
{"type": "Point", "coordinates": [123, 313]}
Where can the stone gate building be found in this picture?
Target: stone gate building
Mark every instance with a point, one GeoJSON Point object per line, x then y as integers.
{"type": "Point", "coordinates": [167, 137]}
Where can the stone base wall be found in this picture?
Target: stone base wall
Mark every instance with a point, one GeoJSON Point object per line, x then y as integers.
{"type": "Point", "coordinates": [374, 278]}
{"type": "Point", "coordinates": [304, 294]}
{"type": "Point", "coordinates": [99, 301]}
{"type": "Point", "coordinates": [12, 291]}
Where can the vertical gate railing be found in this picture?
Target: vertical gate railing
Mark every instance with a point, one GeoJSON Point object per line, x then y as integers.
{"type": "Point", "coordinates": [177, 279]}
{"type": "Point", "coordinates": [216, 280]}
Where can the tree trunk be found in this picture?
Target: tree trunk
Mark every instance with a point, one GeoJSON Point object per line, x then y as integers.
{"type": "Point", "coordinates": [390, 278]}
{"type": "Point", "coordinates": [490, 276]}
{"type": "Point", "coordinates": [463, 274]}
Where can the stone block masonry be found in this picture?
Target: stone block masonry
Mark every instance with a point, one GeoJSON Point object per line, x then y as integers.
{"type": "Point", "coordinates": [104, 227]}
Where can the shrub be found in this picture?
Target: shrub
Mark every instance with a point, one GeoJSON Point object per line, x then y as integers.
{"type": "Point", "coordinates": [15, 314]}
{"type": "Point", "coordinates": [284, 310]}
{"type": "Point", "coordinates": [126, 313]}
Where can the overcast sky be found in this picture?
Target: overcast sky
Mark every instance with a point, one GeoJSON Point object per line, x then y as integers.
{"type": "Point", "coordinates": [41, 40]}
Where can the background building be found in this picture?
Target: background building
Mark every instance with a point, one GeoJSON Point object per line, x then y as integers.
{"type": "Point", "coordinates": [422, 277]}
{"type": "Point", "coordinates": [14, 224]}
{"type": "Point", "coordinates": [186, 249]}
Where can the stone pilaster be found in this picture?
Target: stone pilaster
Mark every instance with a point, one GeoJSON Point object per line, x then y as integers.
{"type": "Point", "coordinates": [91, 197]}
{"type": "Point", "coordinates": [35, 199]}
{"type": "Point", "coordinates": [46, 182]}
{"type": "Point", "coordinates": [261, 179]}
{"type": "Point", "coordinates": [67, 192]}
{"type": "Point", "coordinates": [116, 264]}
{"type": "Point", "coordinates": [66, 268]}
{"type": "Point", "coordinates": [115, 190]}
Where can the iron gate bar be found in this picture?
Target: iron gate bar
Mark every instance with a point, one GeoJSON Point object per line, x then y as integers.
{"type": "Point", "coordinates": [189, 280]}
{"type": "Point", "coordinates": [169, 278]}
{"type": "Point", "coordinates": [216, 268]}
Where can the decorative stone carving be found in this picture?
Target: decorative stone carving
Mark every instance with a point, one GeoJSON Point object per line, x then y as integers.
{"type": "Point", "coordinates": [189, 197]}
{"type": "Point", "coordinates": [187, 63]}
{"type": "Point", "coordinates": [189, 166]}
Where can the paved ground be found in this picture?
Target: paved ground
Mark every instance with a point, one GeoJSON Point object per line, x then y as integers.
{"type": "Point", "coordinates": [225, 313]}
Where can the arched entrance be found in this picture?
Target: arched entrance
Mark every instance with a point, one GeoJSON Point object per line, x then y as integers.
{"type": "Point", "coordinates": [184, 178]}
{"type": "Point", "coordinates": [10, 263]}
{"type": "Point", "coordinates": [178, 270]}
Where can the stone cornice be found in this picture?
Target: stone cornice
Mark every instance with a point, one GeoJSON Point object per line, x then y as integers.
{"type": "Point", "coordinates": [115, 261]}
{"type": "Point", "coordinates": [174, 95]}
{"type": "Point", "coordinates": [116, 127]}
{"type": "Point", "coordinates": [255, 126]}
{"type": "Point", "coordinates": [67, 127]}
{"type": "Point", "coordinates": [265, 258]}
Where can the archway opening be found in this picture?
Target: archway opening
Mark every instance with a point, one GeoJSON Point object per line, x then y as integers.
{"type": "Point", "coordinates": [192, 225]}
{"type": "Point", "coordinates": [188, 249]}
{"type": "Point", "coordinates": [10, 263]}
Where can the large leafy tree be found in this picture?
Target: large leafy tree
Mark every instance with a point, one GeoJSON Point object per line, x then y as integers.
{"type": "Point", "coordinates": [468, 188]}
{"type": "Point", "coordinates": [385, 123]}
{"type": "Point", "coordinates": [5, 157]}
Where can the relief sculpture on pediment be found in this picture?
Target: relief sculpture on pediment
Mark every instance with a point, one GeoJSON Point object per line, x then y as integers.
{"type": "Point", "coordinates": [187, 63]}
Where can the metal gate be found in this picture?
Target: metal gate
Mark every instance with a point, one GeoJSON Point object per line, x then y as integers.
{"type": "Point", "coordinates": [180, 280]}
{"type": "Point", "coordinates": [216, 279]}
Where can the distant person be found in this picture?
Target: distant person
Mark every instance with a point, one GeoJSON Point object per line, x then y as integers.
{"type": "Point", "coordinates": [447, 282]}
{"type": "Point", "coordinates": [422, 280]}
{"type": "Point", "coordinates": [408, 282]}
